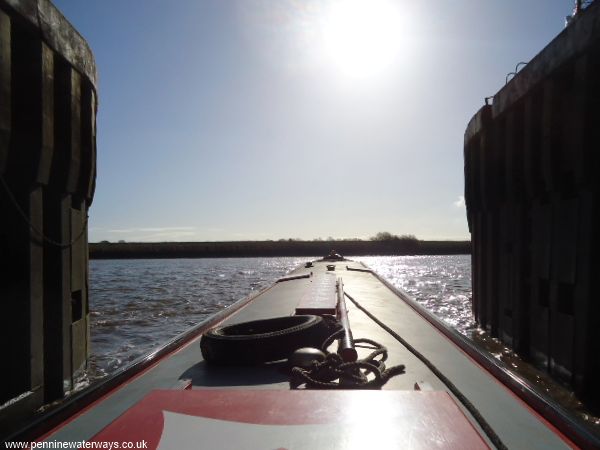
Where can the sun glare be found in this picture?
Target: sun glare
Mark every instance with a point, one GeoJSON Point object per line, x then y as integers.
{"type": "Point", "coordinates": [362, 38]}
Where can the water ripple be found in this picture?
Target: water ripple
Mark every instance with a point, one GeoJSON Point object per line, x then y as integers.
{"type": "Point", "coordinates": [440, 283]}
{"type": "Point", "coordinates": [137, 305]}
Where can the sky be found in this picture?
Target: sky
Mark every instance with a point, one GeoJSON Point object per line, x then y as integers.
{"type": "Point", "coordinates": [276, 119]}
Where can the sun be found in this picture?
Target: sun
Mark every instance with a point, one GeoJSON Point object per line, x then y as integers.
{"type": "Point", "coordinates": [362, 38]}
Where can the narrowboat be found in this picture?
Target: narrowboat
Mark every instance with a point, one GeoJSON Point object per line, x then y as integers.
{"type": "Point", "coordinates": [329, 356]}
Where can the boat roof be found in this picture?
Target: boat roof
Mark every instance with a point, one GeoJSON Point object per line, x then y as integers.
{"type": "Point", "coordinates": [182, 377]}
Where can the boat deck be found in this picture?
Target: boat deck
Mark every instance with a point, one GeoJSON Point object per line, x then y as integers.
{"type": "Point", "coordinates": [517, 425]}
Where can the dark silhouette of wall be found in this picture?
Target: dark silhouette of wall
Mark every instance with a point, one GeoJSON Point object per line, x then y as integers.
{"type": "Point", "coordinates": [47, 173]}
{"type": "Point", "coordinates": [531, 188]}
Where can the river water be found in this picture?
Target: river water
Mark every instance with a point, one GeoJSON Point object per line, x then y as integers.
{"type": "Point", "coordinates": [137, 305]}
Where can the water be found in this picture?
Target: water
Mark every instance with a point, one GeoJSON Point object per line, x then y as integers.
{"type": "Point", "coordinates": [137, 305]}
{"type": "Point", "coordinates": [440, 283]}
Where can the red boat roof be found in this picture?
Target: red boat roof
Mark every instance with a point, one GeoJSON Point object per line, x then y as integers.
{"type": "Point", "coordinates": [294, 419]}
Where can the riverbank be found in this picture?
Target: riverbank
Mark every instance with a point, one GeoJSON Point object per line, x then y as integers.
{"type": "Point", "coordinates": [399, 247]}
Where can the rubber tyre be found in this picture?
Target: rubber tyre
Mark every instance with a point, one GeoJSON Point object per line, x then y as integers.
{"type": "Point", "coordinates": [266, 340]}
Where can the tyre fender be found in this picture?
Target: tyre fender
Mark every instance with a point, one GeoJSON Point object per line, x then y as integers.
{"type": "Point", "coordinates": [265, 340]}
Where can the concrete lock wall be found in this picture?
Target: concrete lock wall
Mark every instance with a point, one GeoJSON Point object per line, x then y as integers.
{"type": "Point", "coordinates": [48, 108]}
{"type": "Point", "coordinates": [531, 188]}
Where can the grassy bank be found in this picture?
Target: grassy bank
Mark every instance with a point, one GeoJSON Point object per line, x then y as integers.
{"type": "Point", "coordinates": [124, 250]}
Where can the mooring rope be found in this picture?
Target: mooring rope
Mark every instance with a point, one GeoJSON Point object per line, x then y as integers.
{"type": "Point", "coordinates": [33, 228]}
{"type": "Point", "coordinates": [350, 375]}
{"type": "Point", "coordinates": [485, 426]}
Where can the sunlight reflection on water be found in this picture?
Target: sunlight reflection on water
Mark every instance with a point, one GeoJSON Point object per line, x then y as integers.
{"type": "Point", "coordinates": [440, 283]}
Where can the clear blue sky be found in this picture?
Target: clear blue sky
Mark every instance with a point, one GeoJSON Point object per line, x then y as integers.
{"type": "Point", "coordinates": [256, 119]}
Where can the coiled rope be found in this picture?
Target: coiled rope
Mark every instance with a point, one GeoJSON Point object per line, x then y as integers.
{"type": "Point", "coordinates": [485, 426]}
{"type": "Point", "coordinates": [349, 375]}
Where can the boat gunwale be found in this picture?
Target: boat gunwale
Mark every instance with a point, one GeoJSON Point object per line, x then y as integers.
{"type": "Point", "coordinates": [549, 411]}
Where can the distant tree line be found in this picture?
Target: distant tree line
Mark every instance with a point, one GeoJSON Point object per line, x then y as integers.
{"type": "Point", "coordinates": [387, 236]}
{"type": "Point", "coordinates": [382, 243]}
